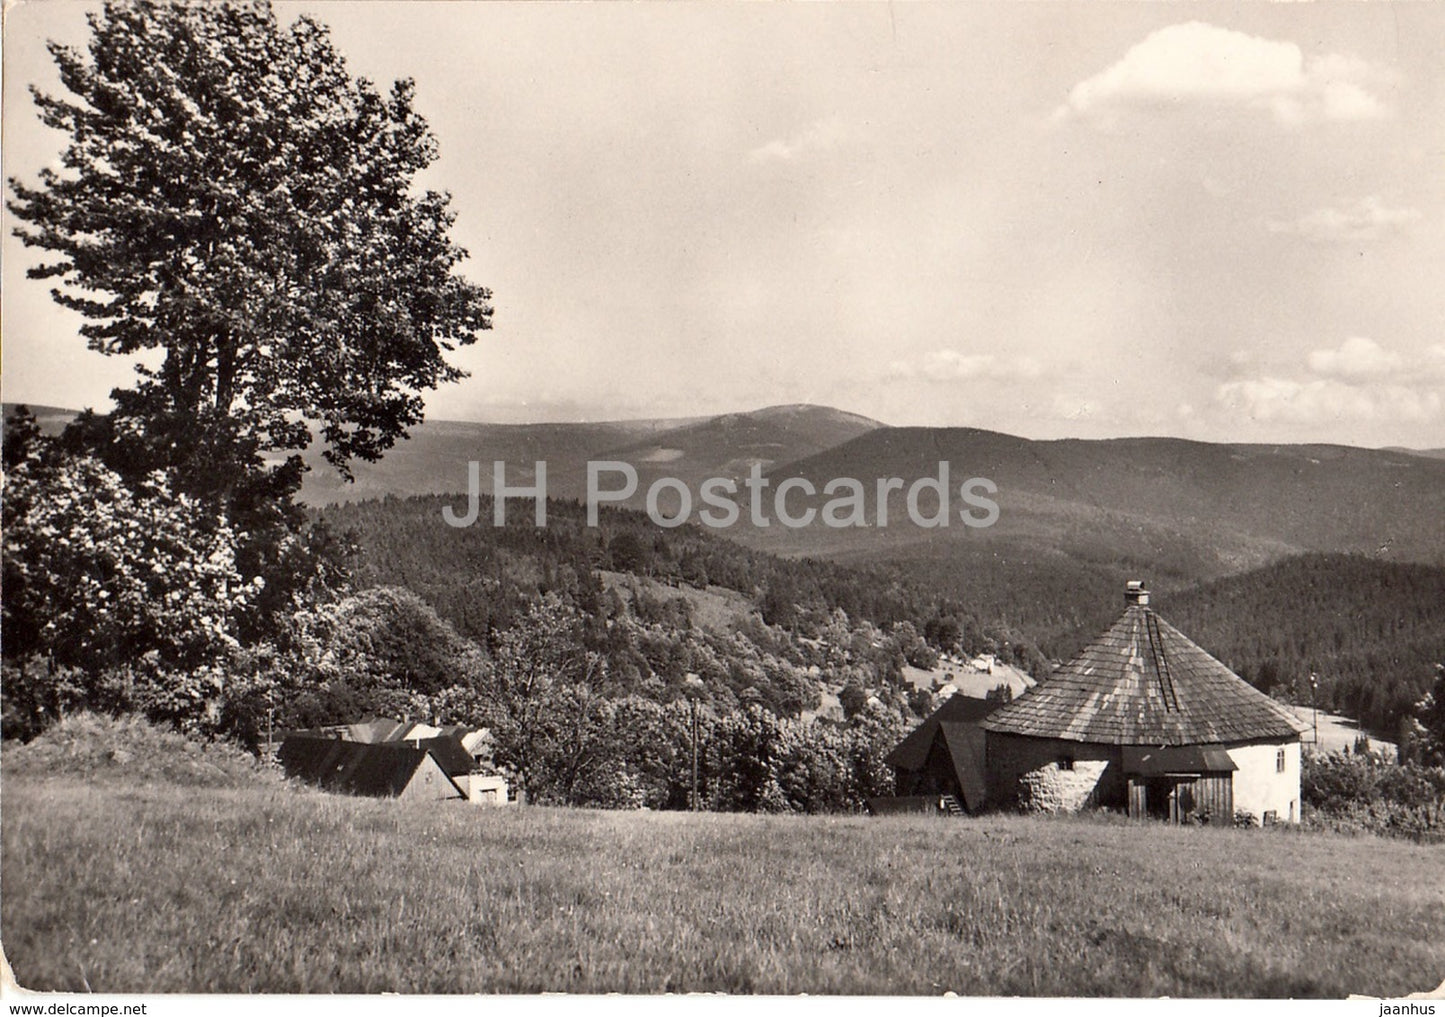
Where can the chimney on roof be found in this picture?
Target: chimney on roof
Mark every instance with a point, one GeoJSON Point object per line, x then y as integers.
{"type": "Point", "coordinates": [1135, 593]}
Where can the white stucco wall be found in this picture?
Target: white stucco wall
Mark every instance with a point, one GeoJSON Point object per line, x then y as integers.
{"type": "Point", "coordinates": [485, 790]}
{"type": "Point", "coordinates": [1260, 787]}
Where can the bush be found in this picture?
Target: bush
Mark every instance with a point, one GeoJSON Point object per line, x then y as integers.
{"type": "Point", "coordinates": [93, 745]}
{"type": "Point", "coordinates": [1358, 794]}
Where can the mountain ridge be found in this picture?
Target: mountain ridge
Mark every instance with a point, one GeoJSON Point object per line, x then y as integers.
{"type": "Point", "coordinates": [1183, 509]}
{"type": "Point", "coordinates": [1254, 500]}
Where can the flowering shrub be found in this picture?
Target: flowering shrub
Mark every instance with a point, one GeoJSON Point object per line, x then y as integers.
{"type": "Point", "coordinates": [117, 597]}
{"type": "Point", "coordinates": [99, 574]}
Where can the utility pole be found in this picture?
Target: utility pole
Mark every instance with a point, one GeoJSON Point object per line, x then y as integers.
{"type": "Point", "coordinates": [1314, 705]}
{"type": "Point", "coordinates": [695, 687]}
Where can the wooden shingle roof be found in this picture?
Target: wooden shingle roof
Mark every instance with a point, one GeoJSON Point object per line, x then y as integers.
{"type": "Point", "coordinates": [1144, 683]}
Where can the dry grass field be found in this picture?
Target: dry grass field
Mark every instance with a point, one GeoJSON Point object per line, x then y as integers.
{"type": "Point", "coordinates": [156, 886]}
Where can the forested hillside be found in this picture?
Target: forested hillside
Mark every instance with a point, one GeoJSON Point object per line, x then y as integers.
{"type": "Point", "coordinates": [599, 657]}
{"type": "Point", "coordinates": [1372, 631]}
{"type": "Point", "coordinates": [482, 579]}
{"type": "Point", "coordinates": [1233, 505]}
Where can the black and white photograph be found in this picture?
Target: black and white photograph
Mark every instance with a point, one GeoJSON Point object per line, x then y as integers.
{"type": "Point", "coordinates": [677, 500]}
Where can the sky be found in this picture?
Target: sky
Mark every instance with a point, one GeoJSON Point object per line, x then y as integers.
{"type": "Point", "coordinates": [1212, 221]}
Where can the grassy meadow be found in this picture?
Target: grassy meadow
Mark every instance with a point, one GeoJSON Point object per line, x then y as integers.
{"type": "Point", "coordinates": [156, 886]}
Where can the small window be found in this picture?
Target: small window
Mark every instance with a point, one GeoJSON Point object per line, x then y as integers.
{"type": "Point", "coordinates": [1271, 817]}
{"type": "Point", "coordinates": [1279, 761]}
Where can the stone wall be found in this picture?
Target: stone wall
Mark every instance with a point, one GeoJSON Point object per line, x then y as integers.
{"type": "Point", "coordinates": [1051, 789]}
{"type": "Point", "coordinates": [1049, 775]}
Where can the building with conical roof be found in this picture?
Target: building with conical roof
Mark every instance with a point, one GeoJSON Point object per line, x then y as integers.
{"type": "Point", "coordinates": [1144, 719]}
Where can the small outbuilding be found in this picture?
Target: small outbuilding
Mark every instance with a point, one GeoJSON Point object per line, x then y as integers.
{"type": "Point", "coordinates": [1145, 720]}
{"type": "Point", "coordinates": [457, 763]}
{"type": "Point", "coordinates": [373, 769]}
{"type": "Point", "coordinates": [944, 757]}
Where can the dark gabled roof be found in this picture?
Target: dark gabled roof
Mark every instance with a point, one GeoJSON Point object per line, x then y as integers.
{"type": "Point", "coordinates": [965, 744]}
{"type": "Point", "coordinates": [1144, 683]}
{"type": "Point", "coordinates": [380, 770]}
{"type": "Point", "coordinates": [912, 752]}
{"type": "Point", "coordinates": [308, 732]}
{"type": "Point", "coordinates": [449, 754]}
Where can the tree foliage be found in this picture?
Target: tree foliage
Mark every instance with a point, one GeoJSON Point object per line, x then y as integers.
{"type": "Point", "coordinates": [1358, 793]}
{"type": "Point", "coordinates": [98, 574]}
{"type": "Point", "coordinates": [1426, 729]}
{"type": "Point", "coordinates": [230, 195]}
{"type": "Point", "coordinates": [233, 199]}
{"type": "Point", "coordinates": [541, 691]}
{"type": "Point", "coordinates": [1371, 630]}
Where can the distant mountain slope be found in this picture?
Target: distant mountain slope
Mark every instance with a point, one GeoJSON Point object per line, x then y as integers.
{"type": "Point", "coordinates": [1198, 509]}
{"type": "Point", "coordinates": [731, 444]}
{"type": "Point", "coordinates": [52, 419]}
{"type": "Point", "coordinates": [1428, 453]}
{"type": "Point", "coordinates": [1074, 515]}
{"type": "Point", "coordinates": [434, 460]}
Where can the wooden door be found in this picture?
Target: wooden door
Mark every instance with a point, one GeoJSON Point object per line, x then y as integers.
{"type": "Point", "coordinates": [1138, 799]}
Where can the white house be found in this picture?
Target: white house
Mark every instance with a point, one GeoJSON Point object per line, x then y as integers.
{"type": "Point", "coordinates": [1144, 719]}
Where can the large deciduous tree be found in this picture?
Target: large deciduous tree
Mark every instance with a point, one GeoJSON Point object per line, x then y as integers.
{"type": "Point", "coordinates": [232, 199]}
{"type": "Point", "coordinates": [232, 196]}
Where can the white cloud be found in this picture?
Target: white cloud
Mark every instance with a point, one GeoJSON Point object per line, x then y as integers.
{"type": "Point", "coordinates": [1357, 359]}
{"type": "Point", "coordinates": [1368, 219]}
{"type": "Point", "coordinates": [1117, 410]}
{"type": "Point", "coordinates": [821, 135]}
{"type": "Point", "coordinates": [1068, 406]}
{"type": "Point", "coordinates": [1195, 65]}
{"type": "Point", "coordinates": [950, 365]}
{"type": "Point", "coordinates": [1360, 380]}
{"type": "Point", "coordinates": [1319, 400]}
